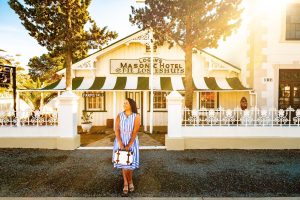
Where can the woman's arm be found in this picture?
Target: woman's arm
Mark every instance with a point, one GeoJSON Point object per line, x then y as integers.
{"type": "Point", "coordinates": [137, 123]}
{"type": "Point", "coordinates": [117, 132]}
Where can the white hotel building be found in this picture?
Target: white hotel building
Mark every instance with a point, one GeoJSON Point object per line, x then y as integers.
{"type": "Point", "coordinates": [260, 61]}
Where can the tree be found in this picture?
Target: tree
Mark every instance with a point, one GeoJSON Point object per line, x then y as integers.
{"type": "Point", "coordinates": [192, 24]}
{"type": "Point", "coordinates": [59, 25]}
{"type": "Point", "coordinates": [34, 99]}
{"type": "Point", "coordinates": [45, 67]}
{"type": "Point", "coordinates": [25, 81]}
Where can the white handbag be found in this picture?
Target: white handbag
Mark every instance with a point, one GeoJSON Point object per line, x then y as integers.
{"type": "Point", "coordinates": [123, 157]}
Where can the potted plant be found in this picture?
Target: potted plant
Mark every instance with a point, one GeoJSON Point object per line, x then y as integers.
{"type": "Point", "coordinates": [86, 123]}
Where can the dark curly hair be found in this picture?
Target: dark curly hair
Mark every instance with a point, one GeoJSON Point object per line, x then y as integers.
{"type": "Point", "coordinates": [132, 105]}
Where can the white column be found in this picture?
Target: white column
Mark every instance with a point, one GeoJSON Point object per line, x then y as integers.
{"type": "Point", "coordinates": [18, 108]}
{"type": "Point", "coordinates": [114, 107]}
{"type": "Point", "coordinates": [56, 103]}
{"type": "Point", "coordinates": [67, 121]}
{"type": "Point", "coordinates": [151, 82]}
{"type": "Point", "coordinates": [145, 106]}
{"type": "Point", "coordinates": [42, 101]}
{"type": "Point", "coordinates": [174, 102]}
{"type": "Point", "coordinates": [197, 99]}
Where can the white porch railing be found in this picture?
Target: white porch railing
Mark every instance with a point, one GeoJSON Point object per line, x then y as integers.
{"type": "Point", "coordinates": [28, 118]}
{"type": "Point", "coordinates": [237, 117]}
{"type": "Point", "coordinates": [230, 128]}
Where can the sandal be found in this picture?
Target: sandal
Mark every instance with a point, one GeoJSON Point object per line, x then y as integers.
{"type": "Point", "coordinates": [125, 191]}
{"type": "Point", "coordinates": [131, 187]}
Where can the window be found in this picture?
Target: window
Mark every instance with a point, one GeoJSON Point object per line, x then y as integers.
{"type": "Point", "coordinates": [208, 99]}
{"type": "Point", "coordinates": [94, 101]}
{"type": "Point", "coordinates": [5, 106]}
{"type": "Point", "coordinates": [293, 22]}
{"type": "Point", "coordinates": [289, 87]}
{"type": "Point", "coordinates": [136, 96]}
{"type": "Point", "coordinates": [160, 100]}
{"type": "Point", "coordinates": [148, 49]}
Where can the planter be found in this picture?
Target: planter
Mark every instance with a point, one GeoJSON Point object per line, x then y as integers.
{"type": "Point", "coordinates": [109, 123]}
{"type": "Point", "coordinates": [86, 127]}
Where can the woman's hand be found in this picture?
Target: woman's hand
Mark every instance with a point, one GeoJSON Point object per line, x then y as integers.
{"type": "Point", "coordinates": [121, 145]}
{"type": "Point", "coordinates": [127, 147]}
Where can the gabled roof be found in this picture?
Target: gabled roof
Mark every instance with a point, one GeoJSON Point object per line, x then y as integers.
{"type": "Point", "coordinates": [113, 45]}
{"type": "Point", "coordinates": [221, 60]}
{"type": "Point", "coordinates": [126, 40]}
{"type": "Point", "coordinates": [94, 55]}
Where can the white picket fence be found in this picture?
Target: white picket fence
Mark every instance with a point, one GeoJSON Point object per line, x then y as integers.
{"type": "Point", "coordinates": [42, 129]}
{"type": "Point", "coordinates": [237, 117]}
{"type": "Point", "coordinates": [253, 128]}
{"type": "Point", "coordinates": [28, 118]}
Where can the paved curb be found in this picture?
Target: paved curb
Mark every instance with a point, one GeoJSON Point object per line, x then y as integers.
{"type": "Point", "coordinates": [148, 198]}
{"type": "Point", "coordinates": [110, 147]}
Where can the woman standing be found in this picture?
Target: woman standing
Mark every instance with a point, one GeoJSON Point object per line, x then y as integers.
{"type": "Point", "coordinates": [126, 129]}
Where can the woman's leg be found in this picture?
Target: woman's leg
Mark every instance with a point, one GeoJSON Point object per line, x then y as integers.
{"type": "Point", "coordinates": [130, 181]}
{"type": "Point", "coordinates": [125, 188]}
{"type": "Point", "coordinates": [125, 176]}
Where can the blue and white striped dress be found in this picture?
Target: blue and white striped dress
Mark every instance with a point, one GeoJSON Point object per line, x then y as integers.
{"type": "Point", "coordinates": [126, 128]}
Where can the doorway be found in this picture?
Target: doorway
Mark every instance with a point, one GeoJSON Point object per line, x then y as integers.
{"type": "Point", "coordinates": [138, 98]}
{"type": "Point", "coordinates": [289, 89]}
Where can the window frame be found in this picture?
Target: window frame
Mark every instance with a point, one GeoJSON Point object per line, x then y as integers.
{"type": "Point", "coordinates": [287, 24]}
{"type": "Point", "coordinates": [148, 48]}
{"type": "Point", "coordinates": [158, 109]}
{"type": "Point", "coordinates": [216, 100]}
{"type": "Point", "coordinates": [163, 109]}
{"type": "Point", "coordinates": [86, 109]}
{"type": "Point", "coordinates": [139, 101]}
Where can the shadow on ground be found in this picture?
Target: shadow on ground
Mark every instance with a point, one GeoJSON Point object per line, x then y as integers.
{"type": "Point", "coordinates": [89, 173]}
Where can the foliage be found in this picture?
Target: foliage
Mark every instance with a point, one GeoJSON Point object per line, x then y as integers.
{"type": "Point", "coordinates": [25, 81]}
{"type": "Point", "coordinates": [86, 117]}
{"type": "Point", "coordinates": [33, 99]}
{"type": "Point", "coordinates": [59, 25]}
{"type": "Point", "coordinates": [45, 67]}
{"type": "Point", "coordinates": [191, 24]}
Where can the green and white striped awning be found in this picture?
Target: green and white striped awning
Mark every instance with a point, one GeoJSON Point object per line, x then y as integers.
{"type": "Point", "coordinates": [142, 83]}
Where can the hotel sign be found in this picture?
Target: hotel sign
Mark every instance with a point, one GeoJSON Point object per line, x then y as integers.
{"type": "Point", "coordinates": [4, 76]}
{"type": "Point", "coordinates": [93, 95]}
{"type": "Point", "coordinates": [142, 66]}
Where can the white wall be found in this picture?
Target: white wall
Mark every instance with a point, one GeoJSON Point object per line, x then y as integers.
{"type": "Point", "coordinates": [280, 53]}
{"type": "Point", "coordinates": [263, 20]}
{"type": "Point", "coordinates": [239, 132]}
{"type": "Point", "coordinates": [32, 131]}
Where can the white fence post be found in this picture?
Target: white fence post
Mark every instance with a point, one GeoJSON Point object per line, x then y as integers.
{"type": "Point", "coordinates": [174, 139]}
{"type": "Point", "coordinates": [68, 139]}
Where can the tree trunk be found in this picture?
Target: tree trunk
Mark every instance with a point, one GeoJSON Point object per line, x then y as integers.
{"type": "Point", "coordinates": [41, 101]}
{"type": "Point", "coordinates": [189, 88]}
{"type": "Point", "coordinates": [68, 62]}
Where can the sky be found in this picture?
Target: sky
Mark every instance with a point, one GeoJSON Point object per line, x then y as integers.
{"type": "Point", "coordinates": [14, 38]}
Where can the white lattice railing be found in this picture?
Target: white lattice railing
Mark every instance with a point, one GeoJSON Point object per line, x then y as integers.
{"type": "Point", "coordinates": [28, 118]}
{"type": "Point", "coordinates": [238, 117]}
